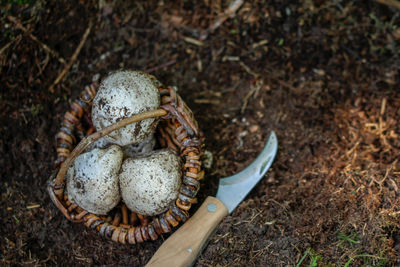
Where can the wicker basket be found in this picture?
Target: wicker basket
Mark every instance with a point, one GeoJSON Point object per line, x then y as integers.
{"type": "Point", "coordinates": [177, 130]}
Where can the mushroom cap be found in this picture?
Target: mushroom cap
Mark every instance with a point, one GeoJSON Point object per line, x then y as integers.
{"type": "Point", "coordinates": [150, 184]}
{"type": "Point", "coordinates": [92, 181]}
{"type": "Point", "coordinates": [123, 94]}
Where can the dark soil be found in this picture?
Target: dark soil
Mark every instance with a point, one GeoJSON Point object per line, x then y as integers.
{"type": "Point", "coordinates": [322, 74]}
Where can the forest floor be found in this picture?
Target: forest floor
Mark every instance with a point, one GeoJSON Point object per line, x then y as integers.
{"type": "Point", "coordinates": [323, 75]}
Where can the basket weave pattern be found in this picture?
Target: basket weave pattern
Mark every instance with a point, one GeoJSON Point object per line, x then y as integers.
{"type": "Point", "coordinates": [177, 130]}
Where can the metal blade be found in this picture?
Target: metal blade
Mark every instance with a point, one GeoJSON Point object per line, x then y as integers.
{"type": "Point", "coordinates": [233, 189]}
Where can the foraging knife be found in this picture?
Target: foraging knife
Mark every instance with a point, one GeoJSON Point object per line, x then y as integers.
{"type": "Point", "coordinates": [183, 247]}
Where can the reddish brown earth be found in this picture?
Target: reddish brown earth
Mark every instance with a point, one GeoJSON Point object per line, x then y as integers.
{"type": "Point", "coordinates": [322, 74]}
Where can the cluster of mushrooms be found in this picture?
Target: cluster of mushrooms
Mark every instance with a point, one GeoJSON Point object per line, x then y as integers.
{"type": "Point", "coordinates": [124, 163]}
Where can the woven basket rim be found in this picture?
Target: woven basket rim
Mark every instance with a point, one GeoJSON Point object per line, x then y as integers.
{"type": "Point", "coordinates": [176, 130]}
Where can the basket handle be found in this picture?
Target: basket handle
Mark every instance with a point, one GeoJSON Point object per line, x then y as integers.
{"type": "Point", "coordinates": [85, 142]}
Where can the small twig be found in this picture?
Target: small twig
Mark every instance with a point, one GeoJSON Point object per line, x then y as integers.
{"type": "Point", "coordinates": [248, 70]}
{"type": "Point", "coordinates": [392, 3]}
{"type": "Point", "coordinates": [381, 123]}
{"type": "Point", "coordinates": [193, 41]}
{"type": "Point", "coordinates": [254, 91]}
{"type": "Point", "coordinates": [229, 12]}
{"type": "Point", "coordinates": [207, 101]}
{"type": "Point", "coordinates": [4, 48]}
{"type": "Point", "coordinates": [34, 38]}
{"type": "Point", "coordinates": [166, 64]}
{"type": "Point", "coordinates": [282, 83]}
{"type": "Point", "coordinates": [88, 140]}
{"type": "Point", "coordinates": [383, 106]}
{"type": "Point", "coordinates": [277, 79]}
{"type": "Point", "coordinates": [33, 206]}
{"type": "Point", "coordinates": [73, 58]}
{"type": "Point", "coordinates": [349, 152]}
{"type": "Point", "coordinates": [3, 56]}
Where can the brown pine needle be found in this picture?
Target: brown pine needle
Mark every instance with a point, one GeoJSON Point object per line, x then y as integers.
{"type": "Point", "coordinates": [392, 3]}
{"type": "Point", "coordinates": [229, 12]}
{"type": "Point", "coordinates": [73, 58]}
{"type": "Point", "coordinates": [34, 38]}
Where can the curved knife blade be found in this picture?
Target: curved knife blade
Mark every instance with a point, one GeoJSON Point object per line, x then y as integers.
{"type": "Point", "coordinates": [233, 189]}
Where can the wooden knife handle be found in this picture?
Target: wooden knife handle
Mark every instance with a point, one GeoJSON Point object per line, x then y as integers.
{"type": "Point", "coordinates": [183, 246]}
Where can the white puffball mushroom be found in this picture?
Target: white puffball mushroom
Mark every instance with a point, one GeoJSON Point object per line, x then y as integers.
{"type": "Point", "coordinates": [92, 181]}
{"type": "Point", "coordinates": [121, 95]}
{"type": "Point", "coordinates": [150, 184]}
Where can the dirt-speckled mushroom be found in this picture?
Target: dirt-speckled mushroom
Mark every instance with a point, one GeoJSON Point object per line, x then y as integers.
{"type": "Point", "coordinates": [92, 181]}
{"type": "Point", "coordinates": [150, 184]}
{"type": "Point", "coordinates": [123, 94]}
